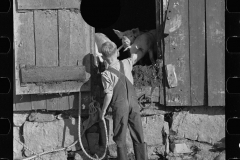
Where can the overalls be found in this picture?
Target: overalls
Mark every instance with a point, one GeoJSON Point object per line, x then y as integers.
{"type": "Point", "coordinates": [126, 112]}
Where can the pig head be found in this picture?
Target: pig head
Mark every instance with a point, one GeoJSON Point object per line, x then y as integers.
{"type": "Point", "coordinates": [130, 34]}
{"type": "Point", "coordinates": [141, 43]}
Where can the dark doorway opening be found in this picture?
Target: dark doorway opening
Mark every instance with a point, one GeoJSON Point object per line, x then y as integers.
{"type": "Point", "coordinates": [134, 14]}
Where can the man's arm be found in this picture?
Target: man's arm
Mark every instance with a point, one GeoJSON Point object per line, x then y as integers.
{"type": "Point", "coordinates": [136, 55]}
{"type": "Point", "coordinates": [106, 102]}
{"type": "Point", "coordinates": [136, 52]}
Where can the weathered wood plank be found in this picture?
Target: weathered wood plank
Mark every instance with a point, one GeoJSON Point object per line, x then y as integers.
{"type": "Point", "coordinates": [81, 41]}
{"type": "Point", "coordinates": [64, 50]}
{"type": "Point", "coordinates": [24, 47]}
{"type": "Point", "coordinates": [63, 102]}
{"type": "Point", "coordinates": [58, 88]}
{"type": "Point", "coordinates": [64, 37]}
{"type": "Point", "coordinates": [38, 102]}
{"type": "Point", "coordinates": [177, 53]}
{"type": "Point", "coordinates": [52, 88]}
{"type": "Point", "coordinates": [52, 74]}
{"type": "Point", "coordinates": [24, 38]}
{"type": "Point", "coordinates": [46, 36]}
{"type": "Point", "coordinates": [77, 38]}
{"type": "Point", "coordinates": [215, 21]}
{"type": "Point", "coordinates": [22, 102]}
{"type": "Point", "coordinates": [47, 4]}
{"type": "Point", "coordinates": [89, 46]}
{"type": "Point", "coordinates": [159, 43]}
{"type": "Point", "coordinates": [52, 101]}
{"type": "Point", "coordinates": [197, 50]}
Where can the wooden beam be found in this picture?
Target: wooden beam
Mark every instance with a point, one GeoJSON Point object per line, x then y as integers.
{"type": "Point", "coordinates": [176, 53]}
{"type": "Point", "coordinates": [22, 102]}
{"type": "Point", "coordinates": [24, 47]}
{"type": "Point", "coordinates": [197, 50]}
{"type": "Point", "coordinates": [38, 102]}
{"type": "Point", "coordinates": [52, 74]}
{"type": "Point", "coordinates": [47, 4]}
{"type": "Point", "coordinates": [215, 20]}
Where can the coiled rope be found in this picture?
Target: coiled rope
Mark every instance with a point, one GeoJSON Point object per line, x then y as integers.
{"type": "Point", "coordinates": [92, 110]}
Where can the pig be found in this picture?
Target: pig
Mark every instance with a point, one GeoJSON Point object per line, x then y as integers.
{"type": "Point", "coordinates": [100, 38]}
{"type": "Point", "coordinates": [138, 41]}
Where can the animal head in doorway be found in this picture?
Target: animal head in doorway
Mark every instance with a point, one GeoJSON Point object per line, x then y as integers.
{"type": "Point", "coordinates": [130, 34]}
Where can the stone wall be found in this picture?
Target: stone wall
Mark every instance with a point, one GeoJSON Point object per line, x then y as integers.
{"type": "Point", "coordinates": [44, 131]}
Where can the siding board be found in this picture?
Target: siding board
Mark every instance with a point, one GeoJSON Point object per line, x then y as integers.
{"type": "Point", "coordinates": [177, 53]}
{"type": "Point", "coordinates": [77, 38]}
{"type": "Point", "coordinates": [40, 28]}
{"type": "Point", "coordinates": [46, 35]}
{"type": "Point", "coordinates": [52, 102]}
{"type": "Point", "coordinates": [64, 37]}
{"type": "Point", "coordinates": [23, 102]}
{"type": "Point", "coordinates": [38, 102]}
{"type": "Point", "coordinates": [47, 4]}
{"type": "Point", "coordinates": [63, 102]}
{"type": "Point", "coordinates": [64, 51]}
{"type": "Point", "coordinates": [215, 21]}
{"type": "Point", "coordinates": [197, 50]}
{"type": "Point", "coordinates": [24, 46]}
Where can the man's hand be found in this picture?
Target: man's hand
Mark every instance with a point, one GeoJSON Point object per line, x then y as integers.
{"type": "Point", "coordinates": [126, 42]}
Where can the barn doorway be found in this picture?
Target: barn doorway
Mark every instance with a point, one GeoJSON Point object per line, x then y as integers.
{"type": "Point", "coordinates": [140, 14]}
{"type": "Point", "coordinates": [134, 14]}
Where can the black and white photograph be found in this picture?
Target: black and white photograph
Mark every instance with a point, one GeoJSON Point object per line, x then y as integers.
{"type": "Point", "coordinates": [150, 85]}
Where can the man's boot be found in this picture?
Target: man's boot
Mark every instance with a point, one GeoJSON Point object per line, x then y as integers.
{"type": "Point", "coordinates": [140, 151]}
{"type": "Point", "coordinates": [122, 153]}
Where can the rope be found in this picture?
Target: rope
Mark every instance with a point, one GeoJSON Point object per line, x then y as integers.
{"type": "Point", "coordinates": [46, 152]}
{"type": "Point", "coordinates": [26, 147]}
{"type": "Point", "coordinates": [92, 110]}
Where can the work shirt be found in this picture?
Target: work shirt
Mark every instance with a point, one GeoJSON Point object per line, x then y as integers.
{"type": "Point", "coordinates": [109, 79]}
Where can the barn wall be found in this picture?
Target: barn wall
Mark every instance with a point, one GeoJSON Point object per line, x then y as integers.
{"type": "Point", "coordinates": [194, 47]}
{"type": "Point", "coordinates": [51, 35]}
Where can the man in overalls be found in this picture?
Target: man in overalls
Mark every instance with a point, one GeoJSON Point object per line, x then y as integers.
{"type": "Point", "coordinates": [117, 82]}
